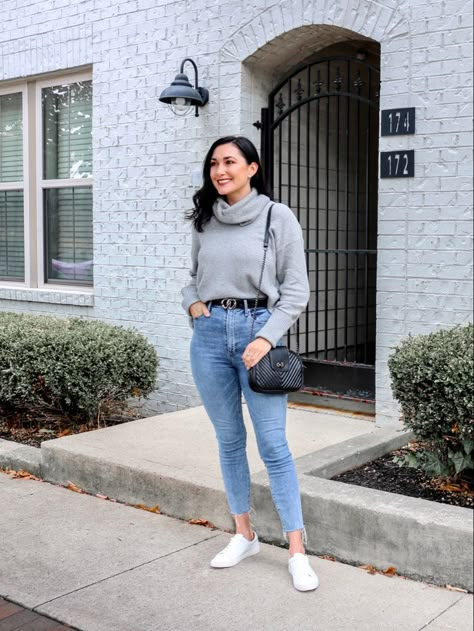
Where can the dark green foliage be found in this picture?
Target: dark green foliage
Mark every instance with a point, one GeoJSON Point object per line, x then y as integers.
{"type": "Point", "coordinates": [71, 364]}
{"type": "Point", "coordinates": [432, 378]}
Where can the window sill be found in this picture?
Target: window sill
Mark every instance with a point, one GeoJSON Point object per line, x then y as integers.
{"type": "Point", "coordinates": [62, 297]}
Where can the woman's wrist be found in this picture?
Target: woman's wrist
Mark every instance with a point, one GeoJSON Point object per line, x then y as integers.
{"type": "Point", "coordinates": [192, 305]}
{"type": "Point", "coordinates": [260, 337]}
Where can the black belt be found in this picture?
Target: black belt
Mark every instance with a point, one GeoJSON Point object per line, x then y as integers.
{"type": "Point", "coordinates": [239, 303]}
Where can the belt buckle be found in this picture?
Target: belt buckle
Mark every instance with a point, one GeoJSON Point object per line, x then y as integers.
{"type": "Point", "coordinates": [229, 303]}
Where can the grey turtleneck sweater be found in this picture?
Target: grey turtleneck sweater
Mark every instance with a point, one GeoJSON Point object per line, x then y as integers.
{"type": "Point", "coordinates": [227, 259]}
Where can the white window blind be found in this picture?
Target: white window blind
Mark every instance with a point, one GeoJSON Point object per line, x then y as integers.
{"type": "Point", "coordinates": [68, 214]}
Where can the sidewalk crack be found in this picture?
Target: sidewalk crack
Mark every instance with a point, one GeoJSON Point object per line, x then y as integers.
{"type": "Point", "coordinates": [440, 614]}
{"type": "Point", "coordinates": [130, 569]}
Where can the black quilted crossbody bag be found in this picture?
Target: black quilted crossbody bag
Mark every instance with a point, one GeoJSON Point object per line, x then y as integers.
{"type": "Point", "coordinates": [279, 371]}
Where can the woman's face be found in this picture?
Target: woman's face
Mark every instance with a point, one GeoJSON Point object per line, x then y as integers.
{"type": "Point", "coordinates": [231, 173]}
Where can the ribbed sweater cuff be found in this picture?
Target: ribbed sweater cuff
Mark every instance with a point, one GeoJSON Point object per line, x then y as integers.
{"type": "Point", "coordinates": [276, 327]}
{"type": "Point", "coordinates": [189, 297]}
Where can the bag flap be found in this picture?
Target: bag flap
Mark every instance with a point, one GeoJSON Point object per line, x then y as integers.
{"type": "Point", "coordinates": [280, 358]}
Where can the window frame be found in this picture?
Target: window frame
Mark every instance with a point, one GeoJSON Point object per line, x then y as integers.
{"type": "Point", "coordinates": [33, 183]}
{"type": "Point", "coordinates": [24, 185]}
{"type": "Point", "coordinates": [42, 184]}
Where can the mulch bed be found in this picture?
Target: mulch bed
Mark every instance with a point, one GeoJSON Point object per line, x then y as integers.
{"type": "Point", "coordinates": [32, 429]}
{"type": "Point", "coordinates": [386, 475]}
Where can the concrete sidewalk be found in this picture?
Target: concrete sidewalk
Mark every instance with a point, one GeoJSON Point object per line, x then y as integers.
{"type": "Point", "coordinates": [171, 460]}
{"type": "Point", "coordinates": [103, 566]}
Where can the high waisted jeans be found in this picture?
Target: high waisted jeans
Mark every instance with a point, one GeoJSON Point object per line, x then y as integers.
{"type": "Point", "coordinates": [220, 375]}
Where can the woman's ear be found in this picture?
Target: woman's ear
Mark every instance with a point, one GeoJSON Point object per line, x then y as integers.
{"type": "Point", "coordinates": [253, 168]}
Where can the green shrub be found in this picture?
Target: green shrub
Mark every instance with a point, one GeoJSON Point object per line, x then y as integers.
{"type": "Point", "coordinates": [432, 378]}
{"type": "Point", "coordinates": [73, 365]}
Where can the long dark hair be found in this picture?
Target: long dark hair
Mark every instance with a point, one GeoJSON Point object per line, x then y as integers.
{"type": "Point", "coordinates": [205, 197]}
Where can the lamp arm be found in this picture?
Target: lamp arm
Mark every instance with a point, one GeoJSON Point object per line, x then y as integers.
{"type": "Point", "coordinates": [195, 70]}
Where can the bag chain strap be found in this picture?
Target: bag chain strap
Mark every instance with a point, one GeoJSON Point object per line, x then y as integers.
{"type": "Point", "coordinates": [266, 242]}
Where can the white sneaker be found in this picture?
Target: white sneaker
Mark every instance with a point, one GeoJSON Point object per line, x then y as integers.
{"type": "Point", "coordinates": [304, 577]}
{"type": "Point", "coordinates": [237, 549]}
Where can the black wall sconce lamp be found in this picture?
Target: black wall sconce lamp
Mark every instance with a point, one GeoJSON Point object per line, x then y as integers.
{"type": "Point", "coordinates": [181, 96]}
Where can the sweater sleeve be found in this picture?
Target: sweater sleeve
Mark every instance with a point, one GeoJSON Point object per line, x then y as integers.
{"type": "Point", "coordinates": [294, 292]}
{"type": "Point", "coordinates": [189, 292]}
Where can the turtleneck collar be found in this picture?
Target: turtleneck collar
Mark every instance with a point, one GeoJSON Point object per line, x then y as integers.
{"type": "Point", "coordinates": [243, 212]}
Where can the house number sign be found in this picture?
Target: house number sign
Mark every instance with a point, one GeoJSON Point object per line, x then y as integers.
{"type": "Point", "coordinates": [397, 163]}
{"type": "Point", "coordinates": [399, 122]}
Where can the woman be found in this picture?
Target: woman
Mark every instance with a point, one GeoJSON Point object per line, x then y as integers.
{"type": "Point", "coordinates": [227, 249]}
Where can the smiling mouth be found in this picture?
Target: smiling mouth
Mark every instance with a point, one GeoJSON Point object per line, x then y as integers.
{"type": "Point", "coordinates": [221, 182]}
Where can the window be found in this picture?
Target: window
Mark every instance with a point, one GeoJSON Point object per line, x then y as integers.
{"type": "Point", "coordinates": [46, 184]}
{"type": "Point", "coordinates": [12, 247]}
{"type": "Point", "coordinates": [67, 204]}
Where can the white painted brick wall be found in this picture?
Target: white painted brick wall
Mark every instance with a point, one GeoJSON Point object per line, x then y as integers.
{"type": "Point", "coordinates": [144, 157]}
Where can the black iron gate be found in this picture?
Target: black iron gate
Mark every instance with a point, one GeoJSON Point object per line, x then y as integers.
{"type": "Point", "coordinates": [319, 149]}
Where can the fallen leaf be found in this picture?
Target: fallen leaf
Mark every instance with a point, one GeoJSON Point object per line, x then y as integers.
{"type": "Point", "coordinates": [327, 557]}
{"type": "Point", "coordinates": [454, 488]}
{"type": "Point", "coordinates": [102, 497]}
{"type": "Point", "coordinates": [150, 509]}
{"type": "Point", "coordinates": [24, 474]}
{"type": "Point", "coordinates": [390, 571]}
{"type": "Point", "coordinates": [456, 589]}
{"type": "Point", "coordinates": [65, 432]}
{"type": "Point", "coordinates": [201, 522]}
{"type": "Point", "coordinates": [73, 487]}
{"type": "Point", "coordinates": [368, 568]}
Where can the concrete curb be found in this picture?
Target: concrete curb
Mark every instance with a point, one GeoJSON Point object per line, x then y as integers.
{"type": "Point", "coordinates": [175, 498]}
{"type": "Point", "coordinates": [352, 453]}
{"type": "Point", "coordinates": [421, 539]}
{"type": "Point", "coordinates": [16, 456]}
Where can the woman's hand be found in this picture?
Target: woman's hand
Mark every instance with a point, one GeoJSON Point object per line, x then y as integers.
{"type": "Point", "coordinates": [255, 351]}
{"type": "Point", "coordinates": [198, 309]}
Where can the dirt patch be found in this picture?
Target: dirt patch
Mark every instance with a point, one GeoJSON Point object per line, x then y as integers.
{"type": "Point", "coordinates": [32, 429]}
{"type": "Point", "coordinates": [386, 475]}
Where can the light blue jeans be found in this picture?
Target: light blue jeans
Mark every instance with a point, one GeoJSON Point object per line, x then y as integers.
{"type": "Point", "coordinates": [220, 375]}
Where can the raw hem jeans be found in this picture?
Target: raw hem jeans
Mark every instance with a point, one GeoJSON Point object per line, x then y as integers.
{"type": "Point", "coordinates": [220, 375]}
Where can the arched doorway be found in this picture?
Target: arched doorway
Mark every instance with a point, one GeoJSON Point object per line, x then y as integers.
{"type": "Point", "coordinates": [320, 151]}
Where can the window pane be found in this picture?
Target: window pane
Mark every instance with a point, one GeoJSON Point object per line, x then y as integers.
{"type": "Point", "coordinates": [67, 131]}
{"type": "Point", "coordinates": [12, 250]}
{"type": "Point", "coordinates": [11, 138]}
{"type": "Point", "coordinates": [68, 217]}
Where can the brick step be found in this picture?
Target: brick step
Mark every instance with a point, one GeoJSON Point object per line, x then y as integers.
{"type": "Point", "coordinates": [13, 616]}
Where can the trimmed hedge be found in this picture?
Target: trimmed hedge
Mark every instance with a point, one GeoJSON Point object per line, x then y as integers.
{"type": "Point", "coordinates": [432, 378]}
{"type": "Point", "coordinates": [70, 364]}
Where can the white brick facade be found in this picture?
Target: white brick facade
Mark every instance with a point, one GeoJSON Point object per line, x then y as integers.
{"type": "Point", "coordinates": [145, 158]}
